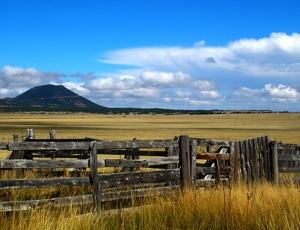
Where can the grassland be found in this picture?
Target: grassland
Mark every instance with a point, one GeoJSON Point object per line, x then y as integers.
{"type": "Point", "coordinates": [261, 206]}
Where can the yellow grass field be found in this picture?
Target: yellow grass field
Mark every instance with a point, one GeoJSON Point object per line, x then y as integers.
{"type": "Point", "coordinates": [263, 206]}
{"type": "Point", "coordinates": [283, 127]}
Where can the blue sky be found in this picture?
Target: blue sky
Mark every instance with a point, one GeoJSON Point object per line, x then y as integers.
{"type": "Point", "coordinates": [164, 54]}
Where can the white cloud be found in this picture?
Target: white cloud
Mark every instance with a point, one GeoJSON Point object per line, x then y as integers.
{"type": "Point", "coordinates": [276, 55]}
{"type": "Point", "coordinates": [16, 80]}
{"type": "Point", "coordinates": [200, 43]}
{"type": "Point", "coordinates": [164, 79]}
{"type": "Point", "coordinates": [282, 92]}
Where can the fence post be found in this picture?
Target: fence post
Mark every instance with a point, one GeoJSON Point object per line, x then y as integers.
{"type": "Point", "coordinates": [28, 154]}
{"type": "Point", "coordinates": [274, 161]}
{"type": "Point", "coordinates": [237, 164]}
{"type": "Point", "coordinates": [243, 161]}
{"type": "Point", "coordinates": [184, 160]}
{"type": "Point", "coordinates": [218, 169]}
{"type": "Point", "coordinates": [52, 134]}
{"type": "Point", "coordinates": [231, 161]}
{"type": "Point", "coordinates": [94, 176]}
{"type": "Point", "coordinates": [30, 134]}
{"type": "Point", "coordinates": [193, 155]}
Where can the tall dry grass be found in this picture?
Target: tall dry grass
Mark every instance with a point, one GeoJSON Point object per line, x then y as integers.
{"type": "Point", "coordinates": [262, 206]}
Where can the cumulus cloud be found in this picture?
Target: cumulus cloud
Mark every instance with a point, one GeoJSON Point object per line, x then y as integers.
{"type": "Point", "coordinates": [275, 55]}
{"type": "Point", "coordinates": [16, 80]}
{"type": "Point", "coordinates": [282, 92]}
{"type": "Point", "coordinates": [164, 79]}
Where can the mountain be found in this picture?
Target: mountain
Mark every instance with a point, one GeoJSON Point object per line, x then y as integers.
{"type": "Point", "coordinates": [49, 98]}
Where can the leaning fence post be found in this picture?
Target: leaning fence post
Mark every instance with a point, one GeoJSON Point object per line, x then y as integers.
{"type": "Point", "coordinates": [184, 160]}
{"type": "Point", "coordinates": [218, 169]}
{"type": "Point", "coordinates": [274, 161]}
{"type": "Point", "coordinates": [94, 176]}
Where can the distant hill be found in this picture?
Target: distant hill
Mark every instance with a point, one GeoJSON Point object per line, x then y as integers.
{"type": "Point", "coordinates": [49, 98]}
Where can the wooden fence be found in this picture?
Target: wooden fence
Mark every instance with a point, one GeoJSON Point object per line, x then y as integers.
{"type": "Point", "coordinates": [146, 167]}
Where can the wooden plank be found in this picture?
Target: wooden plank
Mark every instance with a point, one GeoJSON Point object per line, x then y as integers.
{"type": "Point", "coordinates": [84, 199]}
{"type": "Point", "coordinates": [287, 146]}
{"type": "Point", "coordinates": [274, 161]}
{"type": "Point", "coordinates": [141, 162]}
{"type": "Point", "coordinates": [30, 164]}
{"type": "Point", "coordinates": [261, 158]}
{"type": "Point", "coordinates": [285, 157]}
{"type": "Point", "coordinates": [218, 169]}
{"type": "Point", "coordinates": [237, 166]}
{"type": "Point", "coordinates": [138, 178]}
{"type": "Point", "coordinates": [212, 156]}
{"type": "Point", "coordinates": [266, 165]}
{"type": "Point", "coordinates": [193, 150]}
{"type": "Point", "coordinates": [132, 152]}
{"type": "Point", "coordinates": [128, 194]}
{"type": "Point", "coordinates": [184, 161]}
{"type": "Point", "coordinates": [231, 161]}
{"type": "Point", "coordinates": [4, 145]}
{"type": "Point", "coordinates": [288, 170]}
{"type": "Point", "coordinates": [137, 144]}
{"type": "Point", "coordinates": [256, 167]}
{"type": "Point", "coordinates": [243, 161]}
{"type": "Point", "coordinates": [44, 183]}
{"type": "Point", "coordinates": [210, 142]}
{"type": "Point", "coordinates": [24, 205]}
{"type": "Point", "coordinates": [49, 145]}
{"type": "Point", "coordinates": [247, 161]}
{"type": "Point", "coordinates": [94, 177]}
{"type": "Point", "coordinates": [211, 170]}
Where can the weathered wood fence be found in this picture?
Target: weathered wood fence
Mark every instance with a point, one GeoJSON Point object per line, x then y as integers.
{"type": "Point", "coordinates": [147, 167]}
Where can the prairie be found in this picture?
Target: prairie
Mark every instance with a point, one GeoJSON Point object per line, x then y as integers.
{"type": "Point", "coordinates": [262, 206]}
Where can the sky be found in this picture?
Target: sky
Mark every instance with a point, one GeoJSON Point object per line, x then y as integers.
{"type": "Point", "coordinates": [172, 54]}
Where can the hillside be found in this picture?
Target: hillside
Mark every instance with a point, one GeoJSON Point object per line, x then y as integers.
{"type": "Point", "coordinates": [49, 97]}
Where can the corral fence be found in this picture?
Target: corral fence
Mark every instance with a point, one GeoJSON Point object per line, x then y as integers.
{"type": "Point", "coordinates": [141, 168]}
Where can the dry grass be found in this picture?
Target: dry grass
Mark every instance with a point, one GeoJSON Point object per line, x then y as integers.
{"type": "Point", "coordinates": [257, 207]}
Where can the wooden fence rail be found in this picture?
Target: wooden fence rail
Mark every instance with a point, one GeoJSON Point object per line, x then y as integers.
{"type": "Point", "coordinates": [167, 165]}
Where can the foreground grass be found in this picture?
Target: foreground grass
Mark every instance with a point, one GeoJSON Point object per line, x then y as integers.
{"type": "Point", "coordinates": [258, 207]}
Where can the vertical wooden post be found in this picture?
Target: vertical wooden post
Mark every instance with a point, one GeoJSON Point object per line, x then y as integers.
{"type": "Point", "coordinates": [94, 176]}
{"type": "Point", "coordinates": [16, 137]}
{"type": "Point", "coordinates": [243, 161]}
{"type": "Point", "coordinates": [247, 158]}
{"type": "Point", "coordinates": [218, 169]}
{"type": "Point", "coordinates": [266, 157]}
{"type": "Point", "coordinates": [261, 158]}
{"type": "Point", "coordinates": [237, 164]}
{"type": "Point", "coordinates": [274, 161]}
{"type": "Point", "coordinates": [184, 159]}
{"type": "Point", "coordinates": [16, 154]}
{"type": "Point", "coordinates": [256, 161]}
{"type": "Point", "coordinates": [231, 161]}
{"type": "Point", "coordinates": [251, 160]}
{"type": "Point", "coordinates": [193, 151]}
{"type": "Point", "coordinates": [30, 134]}
{"type": "Point", "coordinates": [52, 134]}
